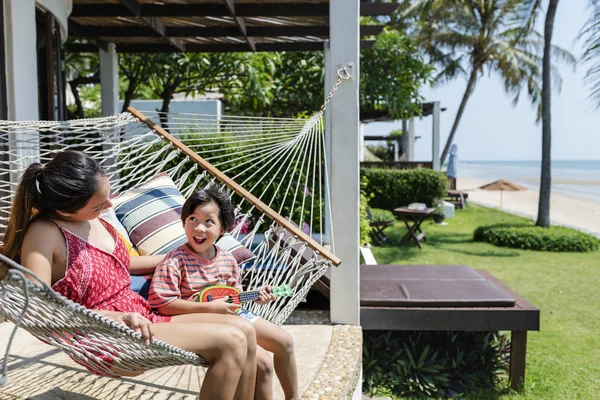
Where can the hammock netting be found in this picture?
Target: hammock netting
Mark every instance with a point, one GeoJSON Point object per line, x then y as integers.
{"type": "Point", "coordinates": [274, 168]}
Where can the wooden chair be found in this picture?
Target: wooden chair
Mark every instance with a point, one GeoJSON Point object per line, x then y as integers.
{"type": "Point", "coordinates": [377, 228]}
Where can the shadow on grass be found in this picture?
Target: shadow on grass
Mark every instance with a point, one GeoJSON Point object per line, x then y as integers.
{"type": "Point", "coordinates": [476, 253]}
{"type": "Point", "coordinates": [439, 241]}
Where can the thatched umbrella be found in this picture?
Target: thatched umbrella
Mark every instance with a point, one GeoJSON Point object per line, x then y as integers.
{"type": "Point", "coordinates": [502, 186]}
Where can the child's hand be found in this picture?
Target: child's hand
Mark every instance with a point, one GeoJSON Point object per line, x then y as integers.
{"type": "Point", "coordinates": [221, 306]}
{"type": "Point", "coordinates": [265, 296]}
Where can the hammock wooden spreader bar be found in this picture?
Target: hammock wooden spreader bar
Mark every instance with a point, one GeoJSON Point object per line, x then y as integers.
{"type": "Point", "coordinates": [230, 183]}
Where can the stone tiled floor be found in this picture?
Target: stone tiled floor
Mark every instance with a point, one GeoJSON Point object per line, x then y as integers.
{"type": "Point", "coordinates": [328, 366]}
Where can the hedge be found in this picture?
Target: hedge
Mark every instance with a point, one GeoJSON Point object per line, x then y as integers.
{"type": "Point", "coordinates": [529, 237]}
{"type": "Point", "coordinates": [396, 188]}
{"type": "Point", "coordinates": [379, 215]}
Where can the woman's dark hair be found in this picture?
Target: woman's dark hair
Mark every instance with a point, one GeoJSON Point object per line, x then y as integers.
{"type": "Point", "coordinates": [65, 184]}
{"type": "Point", "coordinates": [226, 209]}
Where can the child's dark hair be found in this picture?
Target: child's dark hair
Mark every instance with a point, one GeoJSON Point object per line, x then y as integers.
{"type": "Point", "coordinates": [66, 183]}
{"type": "Point", "coordinates": [203, 196]}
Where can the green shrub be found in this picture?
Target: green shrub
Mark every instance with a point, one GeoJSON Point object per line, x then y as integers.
{"type": "Point", "coordinates": [530, 237]}
{"type": "Point", "coordinates": [396, 188]}
{"type": "Point", "coordinates": [433, 364]}
{"type": "Point", "coordinates": [379, 215]}
{"type": "Point", "coordinates": [365, 227]}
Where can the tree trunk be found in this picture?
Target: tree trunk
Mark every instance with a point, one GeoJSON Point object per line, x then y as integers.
{"type": "Point", "coordinates": [129, 93]}
{"type": "Point", "coordinates": [164, 118]}
{"type": "Point", "coordinates": [79, 106]}
{"type": "Point", "coordinates": [82, 80]}
{"type": "Point", "coordinates": [543, 218]}
{"type": "Point", "coordinates": [461, 109]}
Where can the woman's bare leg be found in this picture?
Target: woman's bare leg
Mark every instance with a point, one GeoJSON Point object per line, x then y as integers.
{"type": "Point", "coordinates": [246, 387]}
{"type": "Point", "coordinates": [274, 339]}
{"type": "Point", "coordinates": [264, 375]}
{"type": "Point", "coordinates": [224, 346]}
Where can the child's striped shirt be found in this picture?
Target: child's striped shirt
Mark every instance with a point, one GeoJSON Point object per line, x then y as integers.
{"type": "Point", "coordinates": [183, 275]}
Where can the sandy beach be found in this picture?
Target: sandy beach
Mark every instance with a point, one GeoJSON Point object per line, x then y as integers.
{"type": "Point", "coordinates": [564, 210]}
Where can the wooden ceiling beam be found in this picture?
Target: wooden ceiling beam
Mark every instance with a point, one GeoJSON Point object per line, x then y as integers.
{"type": "Point", "coordinates": [77, 30]}
{"type": "Point", "coordinates": [211, 48]}
{"type": "Point", "coordinates": [220, 9]}
{"type": "Point", "coordinates": [153, 23]}
{"type": "Point", "coordinates": [215, 31]}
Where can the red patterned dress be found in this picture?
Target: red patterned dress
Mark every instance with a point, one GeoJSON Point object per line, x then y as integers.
{"type": "Point", "coordinates": [99, 280]}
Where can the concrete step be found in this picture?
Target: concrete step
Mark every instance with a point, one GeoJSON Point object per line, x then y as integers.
{"type": "Point", "coordinates": [328, 357]}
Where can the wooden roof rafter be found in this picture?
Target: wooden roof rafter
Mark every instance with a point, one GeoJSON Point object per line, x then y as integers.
{"type": "Point", "coordinates": [241, 24]}
{"type": "Point", "coordinates": [220, 9]}
{"type": "Point", "coordinates": [153, 23]}
{"type": "Point", "coordinates": [209, 25]}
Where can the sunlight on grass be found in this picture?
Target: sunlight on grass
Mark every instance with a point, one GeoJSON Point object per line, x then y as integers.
{"type": "Point", "coordinates": [563, 358]}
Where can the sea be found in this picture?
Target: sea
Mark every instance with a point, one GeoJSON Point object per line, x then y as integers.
{"type": "Point", "coordinates": [577, 178]}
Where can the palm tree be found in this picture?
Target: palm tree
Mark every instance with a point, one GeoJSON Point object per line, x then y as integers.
{"type": "Point", "coordinates": [543, 218]}
{"type": "Point", "coordinates": [470, 37]}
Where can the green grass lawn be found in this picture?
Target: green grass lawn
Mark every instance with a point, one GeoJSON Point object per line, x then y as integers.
{"type": "Point", "coordinates": [563, 359]}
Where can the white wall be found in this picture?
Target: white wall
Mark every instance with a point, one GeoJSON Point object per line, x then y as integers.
{"type": "Point", "coordinates": [210, 107]}
{"type": "Point", "coordinates": [21, 59]}
{"type": "Point", "coordinates": [61, 10]}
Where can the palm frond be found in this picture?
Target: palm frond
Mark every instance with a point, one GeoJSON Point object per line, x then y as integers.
{"type": "Point", "coordinates": [590, 35]}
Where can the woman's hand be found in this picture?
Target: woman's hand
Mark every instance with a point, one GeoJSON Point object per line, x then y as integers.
{"type": "Point", "coordinates": [265, 295]}
{"type": "Point", "coordinates": [221, 306]}
{"type": "Point", "coordinates": [139, 324]}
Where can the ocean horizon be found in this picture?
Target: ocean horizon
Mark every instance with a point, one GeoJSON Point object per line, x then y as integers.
{"type": "Point", "coordinates": [577, 178]}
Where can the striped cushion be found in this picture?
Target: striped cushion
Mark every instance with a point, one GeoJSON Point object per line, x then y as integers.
{"type": "Point", "coordinates": [238, 251]}
{"type": "Point", "coordinates": [151, 213]}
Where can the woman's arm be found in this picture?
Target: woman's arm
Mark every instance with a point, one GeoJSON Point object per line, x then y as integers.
{"type": "Point", "coordinates": [141, 265]}
{"type": "Point", "coordinates": [38, 249]}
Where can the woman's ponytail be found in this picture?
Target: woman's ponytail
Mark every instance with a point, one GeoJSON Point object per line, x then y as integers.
{"type": "Point", "coordinates": [25, 206]}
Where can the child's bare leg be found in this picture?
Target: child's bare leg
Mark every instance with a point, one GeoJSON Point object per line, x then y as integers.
{"type": "Point", "coordinates": [224, 346]}
{"type": "Point", "coordinates": [264, 375]}
{"type": "Point", "coordinates": [246, 387]}
{"type": "Point", "coordinates": [274, 339]}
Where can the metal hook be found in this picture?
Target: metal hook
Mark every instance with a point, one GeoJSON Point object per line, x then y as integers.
{"type": "Point", "coordinates": [343, 72]}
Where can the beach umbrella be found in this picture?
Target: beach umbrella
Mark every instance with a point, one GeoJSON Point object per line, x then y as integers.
{"type": "Point", "coordinates": [452, 170]}
{"type": "Point", "coordinates": [503, 186]}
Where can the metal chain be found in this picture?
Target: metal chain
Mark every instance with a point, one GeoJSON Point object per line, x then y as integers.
{"type": "Point", "coordinates": [343, 75]}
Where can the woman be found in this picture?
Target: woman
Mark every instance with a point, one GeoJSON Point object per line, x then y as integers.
{"type": "Point", "coordinates": [56, 232]}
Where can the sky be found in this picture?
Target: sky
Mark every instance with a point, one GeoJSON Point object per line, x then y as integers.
{"type": "Point", "coordinates": [492, 129]}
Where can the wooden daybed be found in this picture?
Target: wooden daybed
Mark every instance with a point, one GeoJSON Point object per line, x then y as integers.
{"type": "Point", "coordinates": [444, 298]}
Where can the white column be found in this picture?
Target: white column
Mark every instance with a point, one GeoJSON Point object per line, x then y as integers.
{"type": "Point", "coordinates": [327, 133]}
{"type": "Point", "coordinates": [21, 60]}
{"type": "Point", "coordinates": [345, 279]}
{"type": "Point", "coordinates": [361, 145]}
{"type": "Point", "coordinates": [109, 80]}
{"type": "Point", "coordinates": [21, 81]}
{"type": "Point", "coordinates": [435, 146]}
{"type": "Point", "coordinates": [410, 150]}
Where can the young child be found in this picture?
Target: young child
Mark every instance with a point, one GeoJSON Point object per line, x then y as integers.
{"type": "Point", "coordinates": [197, 264]}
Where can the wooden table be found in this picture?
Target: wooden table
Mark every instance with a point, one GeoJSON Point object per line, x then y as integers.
{"type": "Point", "coordinates": [413, 220]}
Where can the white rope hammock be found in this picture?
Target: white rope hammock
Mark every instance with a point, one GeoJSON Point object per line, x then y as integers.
{"type": "Point", "coordinates": [276, 171]}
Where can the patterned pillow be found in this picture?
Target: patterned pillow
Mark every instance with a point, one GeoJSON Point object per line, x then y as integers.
{"type": "Point", "coordinates": [151, 213]}
{"type": "Point", "coordinates": [109, 216]}
{"type": "Point", "coordinates": [239, 251]}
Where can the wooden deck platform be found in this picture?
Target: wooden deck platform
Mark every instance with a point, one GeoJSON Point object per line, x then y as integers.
{"type": "Point", "coordinates": [445, 298]}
